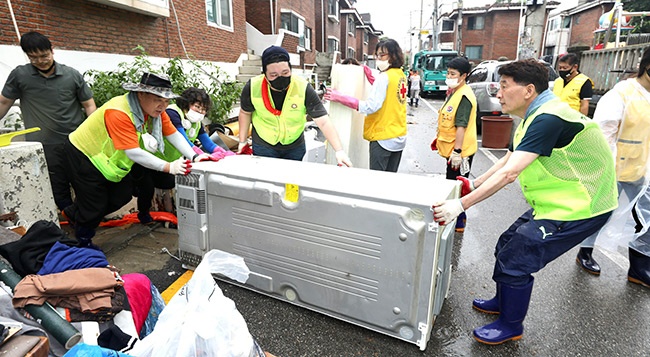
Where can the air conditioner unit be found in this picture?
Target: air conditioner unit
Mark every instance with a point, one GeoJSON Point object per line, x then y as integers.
{"type": "Point", "coordinates": [354, 244]}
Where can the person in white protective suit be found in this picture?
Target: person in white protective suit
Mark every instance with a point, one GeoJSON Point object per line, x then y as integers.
{"type": "Point", "coordinates": [622, 116]}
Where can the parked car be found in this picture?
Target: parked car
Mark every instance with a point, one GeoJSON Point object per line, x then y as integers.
{"type": "Point", "coordinates": [484, 81]}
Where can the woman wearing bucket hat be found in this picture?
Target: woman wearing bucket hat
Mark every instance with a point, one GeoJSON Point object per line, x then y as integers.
{"type": "Point", "coordinates": [277, 103]}
{"type": "Point", "coordinates": [102, 150]}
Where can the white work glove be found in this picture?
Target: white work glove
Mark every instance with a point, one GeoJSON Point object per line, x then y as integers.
{"type": "Point", "coordinates": [202, 157]}
{"type": "Point", "coordinates": [342, 158]}
{"type": "Point", "coordinates": [150, 143]}
{"type": "Point", "coordinates": [241, 146]}
{"type": "Point", "coordinates": [180, 167]}
{"type": "Point", "coordinates": [464, 166]}
{"type": "Point", "coordinates": [447, 211]}
{"type": "Point", "coordinates": [455, 160]}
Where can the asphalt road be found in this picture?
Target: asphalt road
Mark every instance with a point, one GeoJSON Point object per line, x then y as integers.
{"type": "Point", "coordinates": [571, 313]}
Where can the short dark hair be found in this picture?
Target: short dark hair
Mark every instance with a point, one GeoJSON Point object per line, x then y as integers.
{"type": "Point", "coordinates": [570, 58]}
{"type": "Point", "coordinates": [645, 62]}
{"type": "Point", "coordinates": [461, 64]}
{"type": "Point", "coordinates": [350, 60]}
{"type": "Point", "coordinates": [525, 72]}
{"type": "Point", "coordinates": [394, 52]}
{"type": "Point", "coordinates": [33, 42]}
{"type": "Point", "coordinates": [194, 95]}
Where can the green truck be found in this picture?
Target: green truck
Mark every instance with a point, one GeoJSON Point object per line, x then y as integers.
{"type": "Point", "coordinates": [432, 68]}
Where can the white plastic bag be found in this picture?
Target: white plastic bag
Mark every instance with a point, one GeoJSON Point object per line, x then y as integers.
{"type": "Point", "coordinates": [199, 320]}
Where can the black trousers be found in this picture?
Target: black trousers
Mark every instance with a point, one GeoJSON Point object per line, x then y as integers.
{"type": "Point", "coordinates": [146, 181]}
{"type": "Point", "coordinates": [382, 159]}
{"type": "Point", "coordinates": [56, 167]}
{"type": "Point", "coordinates": [95, 196]}
{"type": "Point", "coordinates": [452, 174]}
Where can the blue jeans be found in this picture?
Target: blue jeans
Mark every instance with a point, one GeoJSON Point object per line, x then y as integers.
{"type": "Point", "coordinates": [296, 153]}
{"type": "Point", "coordinates": [528, 245]}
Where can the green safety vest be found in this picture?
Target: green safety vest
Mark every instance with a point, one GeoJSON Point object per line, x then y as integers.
{"type": "Point", "coordinates": [92, 139]}
{"type": "Point", "coordinates": [289, 125]}
{"type": "Point", "coordinates": [575, 182]}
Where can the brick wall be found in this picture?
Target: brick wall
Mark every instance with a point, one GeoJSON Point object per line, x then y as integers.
{"type": "Point", "coordinates": [258, 15]}
{"type": "Point", "coordinates": [82, 25]}
{"type": "Point", "coordinates": [583, 24]}
{"type": "Point", "coordinates": [498, 37]}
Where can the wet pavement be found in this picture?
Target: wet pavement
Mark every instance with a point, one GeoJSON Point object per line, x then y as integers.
{"type": "Point", "coordinates": [571, 313]}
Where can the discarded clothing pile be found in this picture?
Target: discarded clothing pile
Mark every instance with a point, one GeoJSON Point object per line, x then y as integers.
{"type": "Point", "coordinates": [111, 310]}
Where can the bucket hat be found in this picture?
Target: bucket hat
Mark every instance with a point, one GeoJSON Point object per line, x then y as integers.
{"type": "Point", "coordinates": [157, 84]}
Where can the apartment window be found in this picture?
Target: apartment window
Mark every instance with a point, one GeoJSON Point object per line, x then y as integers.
{"type": "Point", "coordinates": [351, 25]}
{"type": "Point", "coordinates": [219, 12]}
{"type": "Point", "coordinates": [296, 24]}
{"type": "Point", "coordinates": [448, 25]}
{"type": "Point", "coordinates": [351, 53]}
{"type": "Point", "coordinates": [332, 45]}
{"type": "Point", "coordinates": [366, 37]}
{"type": "Point", "coordinates": [475, 23]}
{"type": "Point", "coordinates": [333, 8]}
{"type": "Point", "coordinates": [474, 52]}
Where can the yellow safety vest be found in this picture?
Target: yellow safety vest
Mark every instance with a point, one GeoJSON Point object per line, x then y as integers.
{"type": "Point", "coordinates": [447, 127]}
{"type": "Point", "coordinates": [632, 146]}
{"type": "Point", "coordinates": [289, 125]}
{"type": "Point", "coordinates": [575, 182]}
{"type": "Point", "coordinates": [92, 139]}
{"type": "Point", "coordinates": [571, 93]}
{"type": "Point", "coordinates": [390, 120]}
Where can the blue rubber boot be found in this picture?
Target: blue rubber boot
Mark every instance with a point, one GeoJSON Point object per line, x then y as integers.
{"type": "Point", "coordinates": [513, 305]}
{"type": "Point", "coordinates": [488, 306]}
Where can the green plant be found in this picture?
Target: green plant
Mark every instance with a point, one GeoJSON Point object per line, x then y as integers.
{"type": "Point", "coordinates": [192, 73]}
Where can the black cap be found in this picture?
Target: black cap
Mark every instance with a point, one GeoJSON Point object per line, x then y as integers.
{"type": "Point", "coordinates": [274, 54]}
{"type": "Point", "coordinates": [461, 64]}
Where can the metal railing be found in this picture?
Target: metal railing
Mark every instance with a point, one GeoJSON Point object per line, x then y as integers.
{"type": "Point", "coordinates": [609, 66]}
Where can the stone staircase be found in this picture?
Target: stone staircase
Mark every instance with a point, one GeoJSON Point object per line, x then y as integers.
{"type": "Point", "coordinates": [249, 68]}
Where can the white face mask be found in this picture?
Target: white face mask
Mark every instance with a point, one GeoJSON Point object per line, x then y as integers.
{"type": "Point", "coordinates": [452, 82]}
{"type": "Point", "coordinates": [383, 65]}
{"type": "Point", "coordinates": [193, 116]}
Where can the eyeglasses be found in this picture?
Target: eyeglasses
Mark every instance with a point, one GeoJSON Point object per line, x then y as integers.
{"type": "Point", "coordinates": [197, 107]}
{"type": "Point", "coordinates": [381, 55]}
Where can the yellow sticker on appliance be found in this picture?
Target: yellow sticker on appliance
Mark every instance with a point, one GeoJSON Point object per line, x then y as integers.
{"type": "Point", "coordinates": [291, 192]}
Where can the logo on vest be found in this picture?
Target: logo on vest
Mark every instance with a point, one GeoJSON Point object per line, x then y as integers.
{"type": "Point", "coordinates": [294, 106]}
{"type": "Point", "coordinates": [450, 109]}
{"type": "Point", "coordinates": [544, 234]}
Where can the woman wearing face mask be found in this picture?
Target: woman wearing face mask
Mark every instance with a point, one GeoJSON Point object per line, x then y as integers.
{"type": "Point", "coordinates": [385, 108]}
{"type": "Point", "coordinates": [277, 104]}
{"type": "Point", "coordinates": [186, 115]}
{"type": "Point", "coordinates": [456, 138]}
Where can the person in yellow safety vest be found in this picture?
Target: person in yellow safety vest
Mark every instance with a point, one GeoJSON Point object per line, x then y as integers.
{"type": "Point", "coordinates": [385, 108]}
{"type": "Point", "coordinates": [572, 86]}
{"type": "Point", "coordinates": [127, 129]}
{"type": "Point", "coordinates": [456, 138]}
{"type": "Point", "coordinates": [566, 172]}
{"type": "Point", "coordinates": [277, 104]}
{"type": "Point", "coordinates": [186, 114]}
{"type": "Point", "coordinates": [622, 114]}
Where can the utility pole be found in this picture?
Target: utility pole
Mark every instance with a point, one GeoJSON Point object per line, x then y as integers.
{"type": "Point", "coordinates": [434, 19]}
{"type": "Point", "coordinates": [420, 28]}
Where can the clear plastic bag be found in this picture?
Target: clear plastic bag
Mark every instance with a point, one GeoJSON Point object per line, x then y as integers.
{"type": "Point", "coordinates": [199, 320]}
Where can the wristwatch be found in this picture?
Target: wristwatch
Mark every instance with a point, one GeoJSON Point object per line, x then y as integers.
{"type": "Point", "coordinates": [458, 151]}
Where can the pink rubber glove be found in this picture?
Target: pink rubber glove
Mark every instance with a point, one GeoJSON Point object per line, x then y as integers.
{"type": "Point", "coordinates": [368, 72]}
{"type": "Point", "coordinates": [219, 153]}
{"type": "Point", "coordinates": [335, 96]}
{"type": "Point", "coordinates": [197, 150]}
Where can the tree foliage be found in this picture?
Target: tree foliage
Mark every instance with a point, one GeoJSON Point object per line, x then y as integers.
{"type": "Point", "coordinates": [224, 93]}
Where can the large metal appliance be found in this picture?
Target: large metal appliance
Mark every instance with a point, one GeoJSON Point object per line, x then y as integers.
{"type": "Point", "coordinates": [354, 244]}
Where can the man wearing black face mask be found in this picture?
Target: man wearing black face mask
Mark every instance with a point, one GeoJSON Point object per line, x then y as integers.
{"type": "Point", "coordinates": [573, 87]}
{"type": "Point", "coordinates": [277, 104]}
{"type": "Point", "coordinates": [52, 96]}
